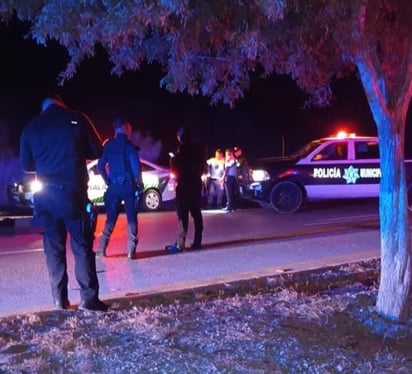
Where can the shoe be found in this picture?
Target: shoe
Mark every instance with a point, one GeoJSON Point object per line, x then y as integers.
{"type": "Point", "coordinates": [227, 209]}
{"type": "Point", "coordinates": [93, 306]}
{"type": "Point", "coordinates": [132, 255]}
{"type": "Point", "coordinates": [173, 248]}
{"type": "Point", "coordinates": [100, 253]}
{"type": "Point", "coordinates": [195, 246]}
{"type": "Point", "coordinates": [61, 304]}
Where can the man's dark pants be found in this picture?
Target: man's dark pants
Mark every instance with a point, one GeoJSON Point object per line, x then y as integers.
{"type": "Point", "coordinates": [61, 210]}
{"type": "Point", "coordinates": [189, 201]}
{"type": "Point", "coordinates": [113, 198]}
{"type": "Point", "coordinates": [54, 239]}
{"type": "Point", "coordinates": [230, 187]}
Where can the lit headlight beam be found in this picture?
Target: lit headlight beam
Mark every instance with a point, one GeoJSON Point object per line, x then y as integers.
{"type": "Point", "coordinates": [36, 186]}
{"type": "Point", "coordinates": [259, 175]}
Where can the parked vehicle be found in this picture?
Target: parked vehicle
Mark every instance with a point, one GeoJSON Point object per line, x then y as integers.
{"type": "Point", "coordinates": [159, 186]}
{"type": "Point", "coordinates": [338, 167]}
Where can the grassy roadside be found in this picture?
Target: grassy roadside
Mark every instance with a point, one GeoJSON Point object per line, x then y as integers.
{"type": "Point", "coordinates": [320, 321]}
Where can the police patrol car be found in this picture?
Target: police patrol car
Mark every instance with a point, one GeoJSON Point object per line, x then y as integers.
{"type": "Point", "coordinates": [159, 186]}
{"type": "Point", "coordinates": [339, 167]}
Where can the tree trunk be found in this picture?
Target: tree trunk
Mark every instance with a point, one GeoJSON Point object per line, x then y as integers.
{"type": "Point", "coordinates": [396, 259]}
{"type": "Point", "coordinates": [395, 277]}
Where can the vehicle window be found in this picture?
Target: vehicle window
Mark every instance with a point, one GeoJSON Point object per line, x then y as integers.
{"type": "Point", "coordinates": [306, 149]}
{"type": "Point", "coordinates": [145, 167]}
{"type": "Point", "coordinates": [334, 151]}
{"type": "Point", "coordinates": [365, 150]}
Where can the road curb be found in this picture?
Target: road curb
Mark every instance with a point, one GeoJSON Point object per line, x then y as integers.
{"type": "Point", "coordinates": [308, 281]}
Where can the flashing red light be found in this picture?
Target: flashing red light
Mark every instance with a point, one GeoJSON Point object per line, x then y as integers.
{"type": "Point", "coordinates": [345, 135]}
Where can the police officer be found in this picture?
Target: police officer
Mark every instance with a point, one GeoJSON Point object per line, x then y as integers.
{"type": "Point", "coordinates": [230, 178]}
{"type": "Point", "coordinates": [120, 169]}
{"type": "Point", "coordinates": [188, 165]}
{"type": "Point", "coordinates": [243, 174]}
{"type": "Point", "coordinates": [56, 146]}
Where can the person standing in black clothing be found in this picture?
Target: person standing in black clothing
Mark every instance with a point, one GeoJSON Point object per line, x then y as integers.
{"type": "Point", "coordinates": [56, 146]}
{"type": "Point", "coordinates": [230, 178]}
{"type": "Point", "coordinates": [188, 165]}
{"type": "Point", "coordinates": [121, 171]}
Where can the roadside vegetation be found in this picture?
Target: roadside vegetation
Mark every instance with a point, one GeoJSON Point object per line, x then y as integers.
{"type": "Point", "coordinates": [316, 322]}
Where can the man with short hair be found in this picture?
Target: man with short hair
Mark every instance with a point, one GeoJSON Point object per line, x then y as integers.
{"type": "Point", "coordinates": [56, 146]}
{"type": "Point", "coordinates": [121, 171]}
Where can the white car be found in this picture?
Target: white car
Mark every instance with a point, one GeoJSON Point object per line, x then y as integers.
{"type": "Point", "coordinates": [159, 186]}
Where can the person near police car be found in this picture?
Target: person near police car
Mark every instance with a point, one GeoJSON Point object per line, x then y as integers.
{"type": "Point", "coordinates": [188, 164]}
{"type": "Point", "coordinates": [230, 178]}
{"type": "Point", "coordinates": [243, 176]}
{"type": "Point", "coordinates": [215, 185]}
{"type": "Point", "coordinates": [120, 169]}
{"type": "Point", "coordinates": [56, 146]}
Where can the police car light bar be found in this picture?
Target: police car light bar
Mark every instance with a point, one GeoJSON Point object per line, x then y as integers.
{"type": "Point", "coordinates": [344, 135]}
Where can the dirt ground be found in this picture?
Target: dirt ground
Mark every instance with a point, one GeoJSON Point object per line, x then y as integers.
{"type": "Point", "coordinates": [313, 322]}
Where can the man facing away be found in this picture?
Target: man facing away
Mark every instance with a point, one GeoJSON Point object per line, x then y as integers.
{"type": "Point", "coordinates": [56, 146]}
{"type": "Point", "coordinates": [121, 171]}
{"type": "Point", "coordinates": [188, 165]}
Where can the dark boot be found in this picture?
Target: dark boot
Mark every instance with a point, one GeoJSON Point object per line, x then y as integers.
{"type": "Point", "coordinates": [93, 306]}
{"type": "Point", "coordinates": [101, 251]}
{"type": "Point", "coordinates": [132, 241]}
{"type": "Point", "coordinates": [60, 299]}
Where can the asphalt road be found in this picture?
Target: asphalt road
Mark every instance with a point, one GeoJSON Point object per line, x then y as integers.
{"type": "Point", "coordinates": [245, 244]}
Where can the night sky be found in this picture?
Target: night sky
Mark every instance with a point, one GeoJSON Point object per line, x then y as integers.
{"type": "Point", "coordinates": [272, 109]}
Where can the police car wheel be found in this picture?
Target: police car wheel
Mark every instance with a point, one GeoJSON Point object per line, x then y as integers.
{"type": "Point", "coordinates": [151, 200]}
{"type": "Point", "coordinates": [286, 197]}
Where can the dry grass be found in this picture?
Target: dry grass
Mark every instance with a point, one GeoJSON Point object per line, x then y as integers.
{"type": "Point", "coordinates": [271, 325]}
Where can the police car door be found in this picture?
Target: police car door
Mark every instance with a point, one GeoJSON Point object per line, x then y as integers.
{"type": "Point", "coordinates": [333, 172]}
{"type": "Point", "coordinates": [367, 167]}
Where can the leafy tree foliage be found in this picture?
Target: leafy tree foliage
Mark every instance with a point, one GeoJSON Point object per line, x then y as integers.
{"type": "Point", "coordinates": [212, 47]}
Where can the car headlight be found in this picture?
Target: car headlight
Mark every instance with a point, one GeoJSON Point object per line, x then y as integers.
{"type": "Point", "coordinates": [35, 186]}
{"type": "Point", "coordinates": [259, 175]}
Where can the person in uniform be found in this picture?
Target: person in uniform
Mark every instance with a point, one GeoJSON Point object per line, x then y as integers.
{"type": "Point", "coordinates": [216, 171]}
{"type": "Point", "coordinates": [120, 169]}
{"type": "Point", "coordinates": [243, 179]}
{"type": "Point", "coordinates": [56, 146]}
{"type": "Point", "coordinates": [230, 177]}
{"type": "Point", "coordinates": [188, 165]}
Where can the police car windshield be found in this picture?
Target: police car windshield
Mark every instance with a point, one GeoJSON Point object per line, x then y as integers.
{"type": "Point", "coordinates": [307, 148]}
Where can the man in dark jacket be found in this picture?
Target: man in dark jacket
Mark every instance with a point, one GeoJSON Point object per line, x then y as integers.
{"type": "Point", "coordinates": [56, 146]}
{"type": "Point", "coordinates": [120, 169]}
{"type": "Point", "coordinates": [188, 165]}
